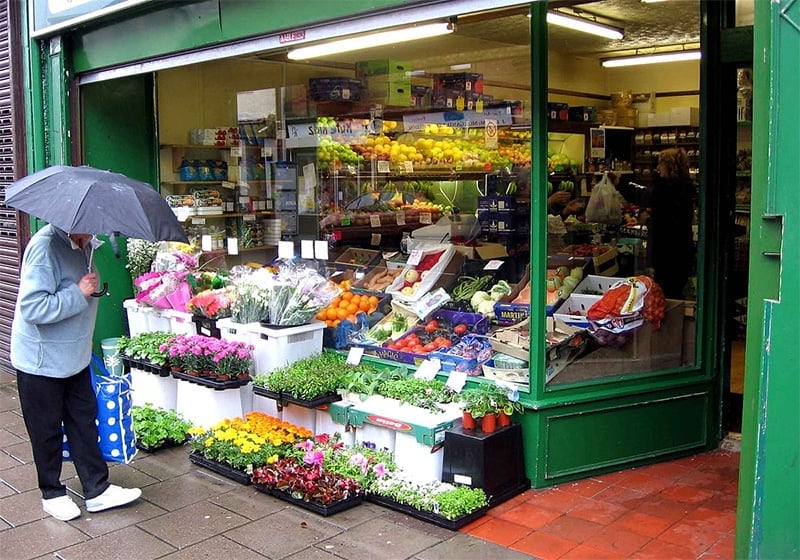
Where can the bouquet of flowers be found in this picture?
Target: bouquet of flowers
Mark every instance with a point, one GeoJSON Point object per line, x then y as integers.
{"type": "Point", "coordinates": [165, 285]}
{"type": "Point", "coordinates": [213, 304]}
{"type": "Point", "coordinates": [297, 294]}
{"type": "Point", "coordinates": [141, 255]}
{"type": "Point", "coordinates": [249, 294]}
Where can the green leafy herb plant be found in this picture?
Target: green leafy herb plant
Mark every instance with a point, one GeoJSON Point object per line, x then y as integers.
{"type": "Point", "coordinates": [157, 427]}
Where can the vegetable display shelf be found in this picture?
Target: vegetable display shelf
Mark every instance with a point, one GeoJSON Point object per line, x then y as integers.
{"type": "Point", "coordinates": [493, 462]}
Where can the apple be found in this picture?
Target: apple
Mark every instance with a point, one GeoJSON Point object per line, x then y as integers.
{"type": "Point", "coordinates": [412, 276]}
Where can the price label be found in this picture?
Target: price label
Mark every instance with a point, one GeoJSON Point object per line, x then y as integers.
{"type": "Point", "coordinates": [428, 369]}
{"type": "Point", "coordinates": [198, 221]}
{"type": "Point", "coordinates": [321, 250]}
{"type": "Point", "coordinates": [354, 355]}
{"type": "Point", "coordinates": [244, 200]}
{"type": "Point", "coordinates": [205, 243]}
{"type": "Point", "coordinates": [307, 248]}
{"type": "Point", "coordinates": [408, 166]}
{"type": "Point", "coordinates": [375, 240]}
{"type": "Point", "coordinates": [383, 166]}
{"type": "Point", "coordinates": [233, 246]}
{"type": "Point", "coordinates": [375, 220]}
{"type": "Point", "coordinates": [249, 218]}
{"type": "Point", "coordinates": [400, 218]}
{"type": "Point", "coordinates": [493, 264]}
{"type": "Point", "coordinates": [425, 218]}
{"type": "Point", "coordinates": [228, 206]}
{"type": "Point", "coordinates": [266, 152]}
{"type": "Point", "coordinates": [236, 151]}
{"type": "Point", "coordinates": [228, 185]}
{"type": "Point", "coordinates": [285, 250]}
{"type": "Point", "coordinates": [456, 380]}
{"type": "Point", "coordinates": [414, 257]}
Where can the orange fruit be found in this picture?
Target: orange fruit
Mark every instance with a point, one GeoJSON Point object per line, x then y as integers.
{"type": "Point", "coordinates": [336, 322]}
{"type": "Point", "coordinates": [364, 305]}
{"type": "Point", "coordinates": [353, 308]}
{"type": "Point", "coordinates": [347, 296]}
{"type": "Point", "coordinates": [343, 304]}
{"type": "Point", "coordinates": [373, 300]}
{"type": "Point", "coordinates": [341, 313]}
{"type": "Point", "coordinates": [332, 314]}
{"type": "Point", "coordinates": [356, 299]}
{"type": "Point", "coordinates": [335, 302]}
{"type": "Point", "coordinates": [351, 318]}
{"type": "Point", "coordinates": [322, 315]}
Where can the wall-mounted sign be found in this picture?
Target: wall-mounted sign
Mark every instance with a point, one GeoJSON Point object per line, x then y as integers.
{"type": "Point", "coordinates": [50, 16]}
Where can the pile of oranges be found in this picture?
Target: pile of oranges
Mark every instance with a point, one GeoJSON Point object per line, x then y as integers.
{"type": "Point", "coordinates": [345, 306]}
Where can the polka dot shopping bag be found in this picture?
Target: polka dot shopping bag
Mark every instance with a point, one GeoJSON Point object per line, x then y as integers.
{"type": "Point", "coordinates": [115, 434]}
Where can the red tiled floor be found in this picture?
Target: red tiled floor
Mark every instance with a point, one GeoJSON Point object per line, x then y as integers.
{"type": "Point", "coordinates": [696, 539]}
{"type": "Point", "coordinates": [642, 523]}
{"type": "Point", "coordinates": [544, 546]}
{"type": "Point", "coordinates": [660, 550]}
{"type": "Point", "coordinates": [572, 528]}
{"type": "Point", "coordinates": [619, 541]}
{"type": "Point", "coordinates": [556, 499]}
{"type": "Point", "coordinates": [683, 509]}
{"type": "Point", "coordinates": [586, 552]}
{"type": "Point", "coordinates": [687, 494]}
{"type": "Point", "coordinates": [500, 531]}
{"type": "Point", "coordinates": [530, 515]}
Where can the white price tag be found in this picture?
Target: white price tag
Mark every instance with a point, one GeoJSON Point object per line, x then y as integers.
{"type": "Point", "coordinates": [310, 175]}
{"type": "Point", "coordinates": [245, 200]}
{"type": "Point", "coordinates": [493, 264]}
{"type": "Point", "coordinates": [428, 369]}
{"type": "Point", "coordinates": [408, 166]}
{"type": "Point", "coordinates": [228, 185]}
{"type": "Point", "coordinates": [321, 250]}
{"type": "Point", "coordinates": [198, 221]}
{"type": "Point", "coordinates": [266, 152]}
{"type": "Point", "coordinates": [236, 151]}
{"type": "Point", "coordinates": [375, 240]}
{"type": "Point", "coordinates": [400, 218]}
{"type": "Point", "coordinates": [414, 257]}
{"type": "Point", "coordinates": [285, 250]}
{"type": "Point", "coordinates": [383, 166]}
{"type": "Point", "coordinates": [228, 206]}
{"type": "Point", "coordinates": [249, 217]}
{"type": "Point", "coordinates": [233, 246]}
{"type": "Point", "coordinates": [375, 220]}
{"type": "Point", "coordinates": [306, 248]}
{"type": "Point", "coordinates": [456, 380]}
{"type": "Point", "coordinates": [354, 355]}
{"type": "Point", "coordinates": [425, 218]}
{"type": "Point", "coordinates": [205, 243]}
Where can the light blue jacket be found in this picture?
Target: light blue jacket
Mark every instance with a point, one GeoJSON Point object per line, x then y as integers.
{"type": "Point", "coordinates": [51, 334]}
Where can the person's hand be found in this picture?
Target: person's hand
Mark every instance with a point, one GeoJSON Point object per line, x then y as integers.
{"type": "Point", "coordinates": [88, 284]}
{"type": "Point", "coordinates": [573, 207]}
{"type": "Point", "coordinates": [559, 198]}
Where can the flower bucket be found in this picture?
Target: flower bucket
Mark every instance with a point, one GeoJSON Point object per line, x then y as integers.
{"type": "Point", "coordinates": [111, 357]}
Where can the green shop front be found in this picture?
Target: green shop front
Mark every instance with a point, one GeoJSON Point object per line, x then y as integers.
{"type": "Point", "coordinates": [498, 104]}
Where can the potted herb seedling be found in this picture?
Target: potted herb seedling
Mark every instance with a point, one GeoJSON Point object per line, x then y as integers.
{"type": "Point", "coordinates": [157, 427]}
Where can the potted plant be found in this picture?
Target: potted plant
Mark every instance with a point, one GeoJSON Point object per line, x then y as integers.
{"type": "Point", "coordinates": [146, 347]}
{"type": "Point", "coordinates": [156, 427]}
{"type": "Point", "coordinates": [232, 359]}
{"type": "Point", "coordinates": [309, 381]}
{"type": "Point", "coordinates": [481, 404]}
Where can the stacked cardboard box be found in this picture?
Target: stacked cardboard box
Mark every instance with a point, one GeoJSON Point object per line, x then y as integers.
{"type": "Point", "coordinates": [387, 82]}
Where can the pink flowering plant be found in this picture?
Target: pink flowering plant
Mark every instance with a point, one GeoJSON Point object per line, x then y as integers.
{"type": "Point", "coordinates": [190, 352]}
{"type": "Point", "coordinates": [231, 358]}
{"type": "Point", "coordinates": [361, 462]}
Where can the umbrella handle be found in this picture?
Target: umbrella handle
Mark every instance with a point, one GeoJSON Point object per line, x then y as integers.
{"type": "Point", "coordinates": [102, 292]}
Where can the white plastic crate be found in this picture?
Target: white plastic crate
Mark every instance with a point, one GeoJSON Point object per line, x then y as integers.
{"type": "Point", "coordinates": [158, 320]}
{"type": "Point", "coordinates": [267, 406]}
{"type": "Point", "coordinates": [137, 317]}
{"type": "Point", "coordinates": [571, 315]}
{"type": "Point", "coordinates": [150, 388]}
{"type": "Point", "coordinates": [422, 462]}
{"type": "Point", "coordinates": [327, 425]}
{"type": "Point", "coordinates": [595, 285]}
{"type": "Point", "coordinates": [300, 416]}
{"type": "Point", "coordinates": [180, 322]}
{"type": "Point", "coordinates": [383, 438]}
{"type": "Point", "coordinates": [274, 348]}
{"type": "Point", "coordinates": [204, 406]}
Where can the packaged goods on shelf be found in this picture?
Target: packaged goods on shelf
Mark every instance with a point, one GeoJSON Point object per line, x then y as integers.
{"type": "Point", "coordinates": [421, 96]}
{"type": "Point", "coordinates": [219, 136]}
{"type": "Point", "coordinates": [458, 81]}
{"type": "Point", "coordinates": [396, 69]}
{"type": "Point", "coordinates": [395, 92]}
{"type": "Point", "coordinates": [457, 99]}
{"type": "Point", "coordinates": [558, 111]}
{"type": "Point", "coordinates": [334, 89]}
{"type": "Point", "coordinates": [584, 113]}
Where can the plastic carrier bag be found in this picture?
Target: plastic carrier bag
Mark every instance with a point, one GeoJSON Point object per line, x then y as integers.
{"type": "Point", "coordinates": [604, 204]}
{"type": "Point", "coordinates": [116, 438]}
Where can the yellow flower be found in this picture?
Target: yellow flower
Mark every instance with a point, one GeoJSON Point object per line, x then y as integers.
{"type": "Point", "coordinates": [272, 459]}
{"type": "Point", "coordinates": [210, 442]}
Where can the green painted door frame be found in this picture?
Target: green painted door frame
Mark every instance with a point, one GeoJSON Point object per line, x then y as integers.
{"type": "Point", "coordinates": [768, 519]}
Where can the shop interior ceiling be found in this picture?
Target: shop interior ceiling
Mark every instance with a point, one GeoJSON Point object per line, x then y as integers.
{"type": "Point", "coordinates": [493, 35]}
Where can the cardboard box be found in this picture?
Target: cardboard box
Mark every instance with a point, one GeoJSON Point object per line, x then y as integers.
{"type": "Point", "coordinates": [397, 69]}
{"type": "Point", "coordinates": [334, 89]}
{"type": "Point", "coordinates": [497, 202]}
{"type": "Point", "coordinates": [391, 93]}
{"type": "Point", "coordinates": [484, 251]}
{"type": "Point", "coordinates": [558, 111]}
{"type": "Point", "coordinates": [501, 221]}
{"type": "Point", "coordinates": [421, 96]}
{"type": "Point", "coordinates": [468, 82]}
{"type": "Point", "coordinates": [684, 116]}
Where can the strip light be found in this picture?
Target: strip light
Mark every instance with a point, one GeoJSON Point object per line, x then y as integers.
{"type": "Point", "coordinates": [657, 58]}
{"type": "Point", "coordinates": [371, 40]}
{"type": "Point", "coordinates": [585, 25]}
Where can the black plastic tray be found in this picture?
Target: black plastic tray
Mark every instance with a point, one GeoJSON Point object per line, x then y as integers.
{"type": "Point", "coordinates": [220, 468]}
{"type": "Point", "coordinates": [324, 510]}
{"type": "Point", "coordinates": [211, 383]}
{"type": "Point", "coordinates": [165, 445]}
{"type": "Point", "coordinates": [162, 371]}
{"type": "Point", "coordinates": [282, 397]}
{"type": "Point", "coordinates": [452, 524]}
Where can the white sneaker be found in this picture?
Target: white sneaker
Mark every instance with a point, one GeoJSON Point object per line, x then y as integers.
{"type": "Point", "coordinates": [62, 508]}
{"type": "Point", "coordinates": [114, 496]}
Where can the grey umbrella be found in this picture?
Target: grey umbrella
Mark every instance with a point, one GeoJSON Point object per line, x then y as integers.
{"type": "Point", "coordinates": [88, 200]}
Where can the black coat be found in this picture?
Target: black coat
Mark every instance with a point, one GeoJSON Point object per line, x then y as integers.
{"type": "Point", "coordinates": [670, 241]}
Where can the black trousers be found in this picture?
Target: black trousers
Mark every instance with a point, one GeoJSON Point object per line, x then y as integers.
{"type": "Point", "coordinates": [46, 402]}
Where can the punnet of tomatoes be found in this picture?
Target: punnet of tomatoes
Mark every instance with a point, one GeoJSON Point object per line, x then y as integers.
{"type": "Point", "coordinates": [346, 306]}
{"type": "Point", "coordinates": [429, 337]}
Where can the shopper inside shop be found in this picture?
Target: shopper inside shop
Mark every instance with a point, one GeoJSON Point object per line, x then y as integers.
{"type": "Point", "coordinates": [670, 226]}
{"type": "Point", "coordinates": [51, 347]}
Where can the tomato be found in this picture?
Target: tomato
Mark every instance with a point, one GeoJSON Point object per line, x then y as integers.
{"type": "Point", "coordinates": [445, 343]}
{"type": "Point", "coordinates": [461, 329]}
{"type": "Point", "coordinates": [431, 326]}
{"type": "Point", "coordinates": [430, 347]}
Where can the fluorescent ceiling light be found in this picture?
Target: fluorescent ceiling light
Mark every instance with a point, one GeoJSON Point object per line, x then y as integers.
{"type": "Point", "coordinates": [583, 24]}
{"type": "Point", "coordinates": [371, 40]}
{"type": "Point", "coordinates": [656, 58]}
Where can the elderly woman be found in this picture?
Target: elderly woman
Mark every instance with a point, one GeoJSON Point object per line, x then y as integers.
{"type": "Point", "coordinates": [670, 241]}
